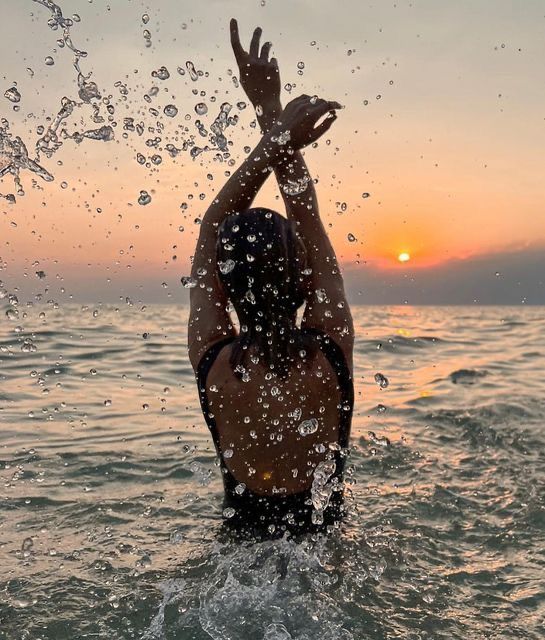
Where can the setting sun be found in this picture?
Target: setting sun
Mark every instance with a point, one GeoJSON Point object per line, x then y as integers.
{"type": "Point", "coordinates": [404, 257]}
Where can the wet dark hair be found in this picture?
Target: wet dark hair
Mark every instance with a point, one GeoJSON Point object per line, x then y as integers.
{"type": "Point", "coordinates": [260, 261]}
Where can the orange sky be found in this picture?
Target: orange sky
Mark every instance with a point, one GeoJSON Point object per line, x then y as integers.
{"type": "Point", "coordinates": [451, 153]}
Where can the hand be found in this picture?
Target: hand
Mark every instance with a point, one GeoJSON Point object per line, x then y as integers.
{"type": "Point", "coordinates": [296, 126]}
{"type": "Point", "coordinates": [259, 76]}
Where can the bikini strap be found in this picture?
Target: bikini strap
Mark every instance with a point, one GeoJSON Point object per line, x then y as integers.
{"type": "Point", "coordinates": [203, 369]}
{"type": "Point", "coordinates": [336, 358]}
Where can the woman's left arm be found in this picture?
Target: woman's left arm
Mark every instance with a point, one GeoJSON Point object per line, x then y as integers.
{"type": "Point", "coordinates": [209, 319]}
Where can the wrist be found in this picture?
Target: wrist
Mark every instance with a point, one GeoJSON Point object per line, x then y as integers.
{"type": "Point", "coordinates": [269, 104]}
{"type": "Point", "coordinates": [268, 110]}
{"type": "Point", "coordinates": [267, 121]}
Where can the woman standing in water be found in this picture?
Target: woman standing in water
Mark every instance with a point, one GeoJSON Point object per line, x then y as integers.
{"type": "Point", "coordinates": [276, 396]}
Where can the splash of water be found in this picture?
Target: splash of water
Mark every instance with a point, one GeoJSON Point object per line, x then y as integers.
{"type": "Point", "coordinates": [322, 489]}
{"type": "Point", "coordinates": [274, 590]}
{"type": "Point", "coordinates": [14, 158]}
{"type": "Point", "coordinates": [14, 155]}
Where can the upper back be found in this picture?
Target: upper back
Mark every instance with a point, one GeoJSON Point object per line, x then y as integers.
{"type": "Point", "coordinates": [273, 432]}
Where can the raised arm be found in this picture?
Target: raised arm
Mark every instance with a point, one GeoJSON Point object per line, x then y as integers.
{"type": "Point", "coordinates": [327, 308]}
{"type": "Point", "coordinates": [209, 320]}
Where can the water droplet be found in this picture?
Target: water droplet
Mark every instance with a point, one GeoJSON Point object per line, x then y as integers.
{"type": "Point", "coordinates": [145, 18]}
{"type": "Point", "coordinates": [381, 380]}
{"type": "Point", "coordinates": [176, 536]}
{"type": "Point", "coordinates": [365, 194]}
{"type": "Point", "coordinates": [13, 95]}
{"type": "Point", "coordinates": [321, 295]}
{"type": "Point", "coordinates": [380, 440]}
{"type": "Point", "coordinates": [229, 512]}
{"type": "Point", "coordinates": [161, 73]}
{"type": "Point", "coordinates": [283, 138]}
{"type": "Point", "coordinates": [351, 237]}
{"type": "Point", "coordinates": [26, 547]}
{"type": "Point", "coordinates": [49, 61]}
{"type": "Point", "coordinates": [192, 71]}
{"type": "Point", "coordinates": [171, 110]}
{"type": "Point", "coordinates": [308, 426]}
{"type": "Point", "coordinates": [376, 570]}
{"type": "Point", "coordinates": [227, 266]}
{"type": "Point", "coordinates": [188, 282]}
{"type": "Point", "coordinates": [228, 453]}
{"type": "Point", "coordinates": [144, 198]}
{"type": "Point", "coordinates": [201, 109]}
{"type": "Point", "coordinates": [240, 488]}
{"type": "Point", "coordinates": [28, 346]}
{"type": "Point", "coordinates": [296, 187]}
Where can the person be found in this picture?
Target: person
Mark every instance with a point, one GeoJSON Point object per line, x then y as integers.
{"type": "Point", "coordinates": [277, 397]}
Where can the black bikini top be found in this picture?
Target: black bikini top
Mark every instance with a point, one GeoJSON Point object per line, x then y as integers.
{"type": "Point", "coordinates": [337, 360]}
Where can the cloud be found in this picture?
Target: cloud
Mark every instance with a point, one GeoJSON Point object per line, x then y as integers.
{"type": "Point", "coordinates": [510, 277]}
{"type": "Point", "coordinates": [504, 278]}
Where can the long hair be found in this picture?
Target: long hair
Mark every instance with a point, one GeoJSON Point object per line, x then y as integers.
{"type": "Point", "coordinates": [260, 262]}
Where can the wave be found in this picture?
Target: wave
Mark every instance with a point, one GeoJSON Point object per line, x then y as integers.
{"type": "Point", "coordinates": [467, 376]}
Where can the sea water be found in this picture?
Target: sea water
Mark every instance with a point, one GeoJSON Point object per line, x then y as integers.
{"type": "Point", "coordinates": [110, 499]}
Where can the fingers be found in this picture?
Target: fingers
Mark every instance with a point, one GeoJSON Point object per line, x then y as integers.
{"type": "Point", "coordinates": [254, 44]}
{"type": "Point", "coordinates": [321, 107]}
{"type": "Point", "coordinates": [315, 101]}
{"type": "Point", "coordinates": [265, 49]}
{"type": "Point", "coordinates": [235, 40]}
{"type": "Point", "coordinates": [324, 126]}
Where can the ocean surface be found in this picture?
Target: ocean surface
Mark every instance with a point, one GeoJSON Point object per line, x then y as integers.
{"type": "Point", "coordinates": [110, 499]}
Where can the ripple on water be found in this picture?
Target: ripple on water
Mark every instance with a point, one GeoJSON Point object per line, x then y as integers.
{"type": "Point", "coordinates": [123, 505]}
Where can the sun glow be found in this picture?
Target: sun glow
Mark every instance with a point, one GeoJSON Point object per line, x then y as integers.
{"type": "Point", "coordinates": [404, 257]}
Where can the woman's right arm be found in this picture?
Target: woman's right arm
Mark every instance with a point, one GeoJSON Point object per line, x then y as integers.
{"type": "Point", "coordinates": [327, 308]}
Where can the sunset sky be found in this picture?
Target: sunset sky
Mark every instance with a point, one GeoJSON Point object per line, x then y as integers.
{"type": "Point", "coordinates": [443, 127]}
